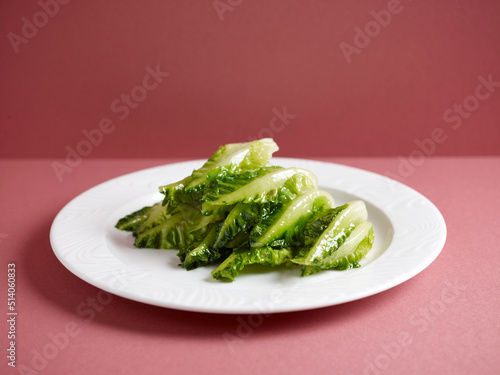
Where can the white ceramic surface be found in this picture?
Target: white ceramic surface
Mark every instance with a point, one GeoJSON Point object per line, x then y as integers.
{"type": "Point", "coordinates": [409, 234]}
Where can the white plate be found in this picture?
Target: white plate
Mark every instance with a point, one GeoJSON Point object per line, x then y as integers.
{"type": "Point", "coordinates": [409, 234]}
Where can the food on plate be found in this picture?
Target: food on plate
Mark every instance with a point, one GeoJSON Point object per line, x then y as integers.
{"type": "Point", "coordinates": [237, 210]}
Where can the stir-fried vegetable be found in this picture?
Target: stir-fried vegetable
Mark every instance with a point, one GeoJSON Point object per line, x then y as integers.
{"type": "Point", "coordinates": [236, 210]}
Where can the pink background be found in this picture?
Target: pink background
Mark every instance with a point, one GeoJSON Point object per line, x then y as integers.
{"type": "Point", "coordinates": [226, 76]}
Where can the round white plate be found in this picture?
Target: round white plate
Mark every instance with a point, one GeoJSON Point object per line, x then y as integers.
{"type": "Point", "coordinates": [409, 234]}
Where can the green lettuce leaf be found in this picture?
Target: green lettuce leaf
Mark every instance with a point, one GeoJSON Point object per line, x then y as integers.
{"type": "Point", "coordinates": [354, 248]}
{"type": "Point", "coordinates": [175, 194]}
{"type": "Point", "coordinates": [233, 157]}
{"type": "Point", "coordinates": [203, 252]}
{"type": "Point", "coordinates": [338, 245]}
{"type": "Point", "coordinates": [176, 231]}
{"type": "Point", "coordinates": [269, 184]}
{"type": "Point", "coordinates": [349, 254]}
{"type": "Point", "coordinates": [286, 224]}
{"type": "Point", "coordinates": [133, 220]}
{"type": "Point", "coordinates": [236, 211]}
{"type": "Point", "coordinates": [235, 262]}
{"type": "Point", "coordinates": [240, 219]}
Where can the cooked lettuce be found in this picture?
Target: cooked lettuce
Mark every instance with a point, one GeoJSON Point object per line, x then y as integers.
{"type": "Point", "coordinates": [239, 220]}
{"type": "Point", "coordinates": [266, 256]}
{"type": "Point", "coordinates": [176, 231]}
{"type": "Point", "coordinates": [201, 253]}
{"type": "Point", "coordinates": [133, 220]}
{"type": "Point", "coordinates": [286, 224]}
{"type": "Point", "coordinates": [264, 185]}
{"type": "Point", "coordinates": [237, 210]}
{"type": "Point", "coordinates": [339, 239]}
{"type": "Point", "coordinates": [234, 158]}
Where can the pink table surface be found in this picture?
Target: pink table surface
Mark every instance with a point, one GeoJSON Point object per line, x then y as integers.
{"type": "Point", "coordinates": [443, 321]}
